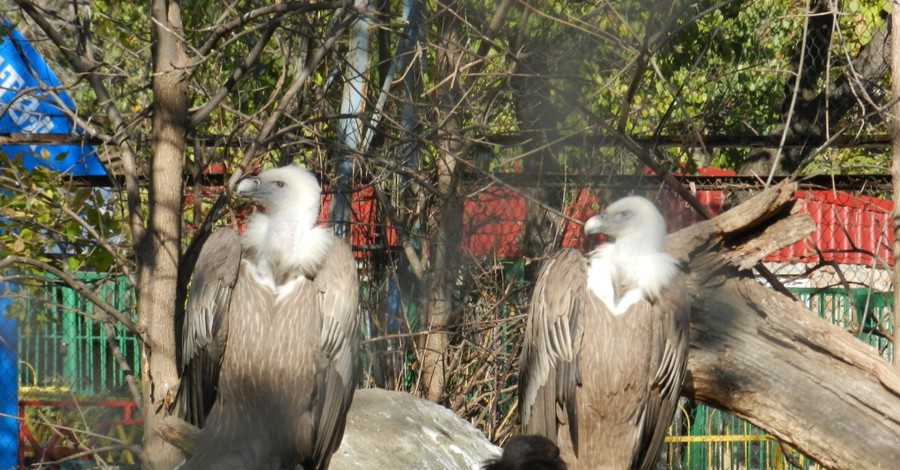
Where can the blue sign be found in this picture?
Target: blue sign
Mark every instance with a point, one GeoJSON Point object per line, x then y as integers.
{"type": "Point", "coordinates": [27, 107]}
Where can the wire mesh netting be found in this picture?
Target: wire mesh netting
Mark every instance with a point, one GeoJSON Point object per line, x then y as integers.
{"type": "Point", "coordinates": [756, 86]}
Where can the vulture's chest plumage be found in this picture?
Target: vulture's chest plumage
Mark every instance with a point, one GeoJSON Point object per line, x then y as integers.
{"type": "Point", "coordinates": [274, 338]}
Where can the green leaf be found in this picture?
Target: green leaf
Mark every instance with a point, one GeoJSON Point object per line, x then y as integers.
{"type": "Point", "coordinates": [100, 261]}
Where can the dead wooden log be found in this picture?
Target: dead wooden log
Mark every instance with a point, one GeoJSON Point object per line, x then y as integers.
{"type": "Point", "coordinates": [762, 356]}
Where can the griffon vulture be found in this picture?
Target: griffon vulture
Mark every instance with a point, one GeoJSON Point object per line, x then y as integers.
{"type": "Point", "coordinates": [270, 343]}
{"type": "Point", "coordinates": [606, 343]}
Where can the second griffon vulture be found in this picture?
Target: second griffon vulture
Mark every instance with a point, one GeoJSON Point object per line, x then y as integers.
{"type": "Point", "coordinates": [606, 344]}
{"type": "Point", "coordinates": [270, 339]}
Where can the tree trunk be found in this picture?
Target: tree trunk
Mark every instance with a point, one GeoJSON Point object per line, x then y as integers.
{"type": "Point", "coordinates": [766, 358]}
{"type": "Point", "coordinates": [159, 255]}
{"type": "Point", "coordinates": [441, 281]}
{"type": "Point", "coordinates": [895, 171]}
{"type": "Point", "coordinates": [441, 316]}
{"type": "Point", "coordinates": [447, 234]}
{"type": "Point", "coordinates": [803, 110]}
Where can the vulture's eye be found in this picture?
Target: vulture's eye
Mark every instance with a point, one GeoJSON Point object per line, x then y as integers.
{"type": "Point", "coordinates": [279, 184]}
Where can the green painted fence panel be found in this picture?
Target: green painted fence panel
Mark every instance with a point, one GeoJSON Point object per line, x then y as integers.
{"type": "Point", "coordinates": [60, 345]}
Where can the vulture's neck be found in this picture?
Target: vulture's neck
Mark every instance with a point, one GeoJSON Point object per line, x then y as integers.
{"type": "Point", "coordinates": [629, 270]}
{"type": "Point", "coordinates": [286, 245]}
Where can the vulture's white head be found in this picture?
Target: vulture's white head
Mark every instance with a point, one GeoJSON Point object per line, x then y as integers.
{"type": "Point", "coordinates": [289, 188]}
{"type": "Point", "coordinates": [284, 238]}
{"type": "Point", "coordinates": [634, 222]}
{"type": "Point", "coordinates": [635, 266]}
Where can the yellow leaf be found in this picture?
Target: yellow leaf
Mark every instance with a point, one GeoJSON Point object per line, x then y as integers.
{"type": "Point", "coordinates": [18, 246]}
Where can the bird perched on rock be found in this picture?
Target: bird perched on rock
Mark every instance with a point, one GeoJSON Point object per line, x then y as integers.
{"type": "Point", "coordinates": [606, 343]}
{"type": "Point", "coordinates": [528, 452]}
{"type": "Point", "coordinates": [271, 338]}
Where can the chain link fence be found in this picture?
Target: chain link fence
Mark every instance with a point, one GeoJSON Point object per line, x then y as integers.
{"type": "Point", "coordinates": [63, 374]}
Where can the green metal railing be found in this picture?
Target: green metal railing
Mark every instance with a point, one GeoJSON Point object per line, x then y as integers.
{"type": "Point", "coordinates": [61, 346]}
{"type": "Point", "coordinates": [862, 312]}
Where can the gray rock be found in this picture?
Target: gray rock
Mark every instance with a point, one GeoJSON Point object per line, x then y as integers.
{"type": "Point", "coordinates": [397, 431]}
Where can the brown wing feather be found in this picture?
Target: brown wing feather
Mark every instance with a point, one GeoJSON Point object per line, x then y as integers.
{"type": "Point", "coordinates": [671, 312]}
{"type": "Point", "coordinates": [548, 369]}
{"type": "Point", "coordinates": [338, 299]}
{"type": "Point", "coordinates": [205, 328]}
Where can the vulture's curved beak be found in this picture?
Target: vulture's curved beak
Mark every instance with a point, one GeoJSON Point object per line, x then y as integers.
{"type": "Point", "coordinates": [595, 225]}
{"type": "Point", "coordinates": [247, 187]}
